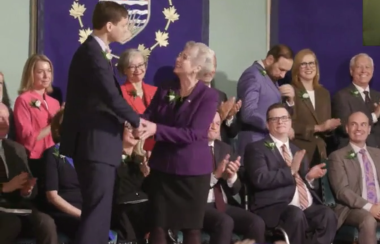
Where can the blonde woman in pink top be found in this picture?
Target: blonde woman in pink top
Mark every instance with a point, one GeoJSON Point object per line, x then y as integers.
{"type": "Point", "coordinates": [34, 109]}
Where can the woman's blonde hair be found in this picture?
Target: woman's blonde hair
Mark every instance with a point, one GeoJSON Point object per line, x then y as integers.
{"type": "Point", "coordinates": [296, 68]}
{"type": "Point", "coordinates": [27, 79]}
{"type": "Point", "coordinates": [138, 149]}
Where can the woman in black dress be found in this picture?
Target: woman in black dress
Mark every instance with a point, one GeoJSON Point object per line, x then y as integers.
{"type": "Point", "coordinates": [130, 201]}
{"type": "Point", "coordinates": [61, 185]}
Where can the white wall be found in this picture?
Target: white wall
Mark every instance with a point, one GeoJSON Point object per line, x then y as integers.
{"type": "Point", "coordinates": [14, 42]}
{"type": "Point", "coordinates": [238, 35]}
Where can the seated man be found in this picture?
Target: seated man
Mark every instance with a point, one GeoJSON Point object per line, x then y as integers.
{"type": "Point", "coordinates": [281, 184]}
{"type": "Point", "coordinates": [221, 219]}
{"type": "Point", "coordinates": [16, 187]}
{"type": "Point", "coordinates": [354, 172]}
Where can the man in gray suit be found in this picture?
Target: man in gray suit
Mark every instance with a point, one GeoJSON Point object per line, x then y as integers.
{"type": "Point", "coordinates": [354, 172]}
{"type": "Point", "coordinates": [258, 89]}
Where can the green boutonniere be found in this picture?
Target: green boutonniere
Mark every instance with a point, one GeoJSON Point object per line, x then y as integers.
{"type": "Point", "coordinates": [35, 103]}
{"type": "Point", "coordinates": [304, 95]}
{"type": "Point", "coordinates": [125, 158]}
{"type": "Point", "coordinates": [351, 154]}
{"type": "Point", "coordinates": [173, 97]}
{"type": "Point", "coordinates": [270, 145]}
{"type": "Point", "coordinates": [354, 93]}
{"type": "Point", "coordinates": [263, 72]}
{"type": "Point", "coordinates": [133, 93]}
{"type": "Point", "coordinates": [57, 154]}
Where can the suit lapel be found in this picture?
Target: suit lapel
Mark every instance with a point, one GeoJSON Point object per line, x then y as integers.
{"type": "Point", "coordinates": [275, 150]}
{"type": "Point", "coordinates": [307, 102]}
{"type": "Point", "coordinates": [267, 80]}
{"type": "Point", "coordinates": [353, 165]}
{"type": "Point", "coordinates": [320, 105]}
{"type": "Point", "coordinates": [217, 152]}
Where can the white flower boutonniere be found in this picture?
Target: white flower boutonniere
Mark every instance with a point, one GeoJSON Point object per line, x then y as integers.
{"type": "Point", "coordinates": [351, 154]}
{"type": "Point", "coordinates": [263, 72]}
{"type": "Point", "coordinates": [124, 158]}
{"type": "Point", "coordinates": [304, 95]}
{"type": "Point", "coordinates": [173, 97]}
{"type": "Point", "coordinates": [35, 103]}
{"type": "Point", "coordinates": [270, 145]}
{"type": "Point", "coordinates": [354, 93]}
{"type": "Point", "coordinates": [107, 54]}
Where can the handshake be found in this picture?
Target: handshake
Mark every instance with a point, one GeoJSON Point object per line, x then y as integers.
{"type": "Point", "coordinates": [144, 131]}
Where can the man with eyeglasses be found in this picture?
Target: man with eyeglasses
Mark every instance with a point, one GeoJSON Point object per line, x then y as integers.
{"type": "Point", "coordinates": [283, 192]}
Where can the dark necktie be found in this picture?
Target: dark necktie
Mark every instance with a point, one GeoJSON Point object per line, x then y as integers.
{"type": "Point", "coordinates": [3, 172]}
{"type": "Point", "coordinates": [367, 101]}
{"type": "Point", "coordinates": [218, 194]}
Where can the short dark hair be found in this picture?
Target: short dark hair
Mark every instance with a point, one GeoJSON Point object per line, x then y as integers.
{"type": "Point", "coordinates": [276, 106]}
{"type": "Point", "coordinates": [107, 11]}
{"type": "Point", "coordinates": [55, 126]}
{"type": "Point", "coordinates": [279, 51]}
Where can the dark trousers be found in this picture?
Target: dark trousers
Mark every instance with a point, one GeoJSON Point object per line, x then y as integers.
{"type": "Point", "coordinates": [37, 225]}
{"type": "Point", "coordinates": [66, 224]}
{"type": "Point", "coordinates": [96, 182]}
{"type": "Point", "coordinates": [319, 221]}
{"type": "Point", "coordinates": [37, 168]}
{"type": "Point", "coordinates": [131, 221]}
{"type": "Point", "coordinates": [221, 225]}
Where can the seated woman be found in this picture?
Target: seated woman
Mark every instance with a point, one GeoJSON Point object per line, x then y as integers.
{"type": "Point", "coordinates": [62, 186]}
{"type": "Point", "coordinates": [130, 201]}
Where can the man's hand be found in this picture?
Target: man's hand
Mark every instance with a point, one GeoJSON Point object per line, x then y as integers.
{"type": "Point", "coordinates": [225, 108]}
{"type": "Point", "coordinates": [235, 109]}
{"type": "Point", "coordinates": [375, 211]}
{"type": "Point", "coordinates": [297, 159]}
{"type": "Point", "coordinates": [231, 169]}
{"type": "Point", "coordinates": [287, 91]}
{"type": "Point", "coordinates": [318, 171]}
{"type": "Point", "coordinates": [16, 183]}
{"type": "Point", "coordinates": [221, 167]}
{"type": "Point", "coordinates": [28, 187]}
{"type": "Point", "coordinates": [291, 134]}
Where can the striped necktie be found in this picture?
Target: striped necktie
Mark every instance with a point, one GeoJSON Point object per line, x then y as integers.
{"type": "Point", "coordinates": [301, 188]}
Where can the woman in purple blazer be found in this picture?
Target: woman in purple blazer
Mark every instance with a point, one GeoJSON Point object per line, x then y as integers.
{"type": "Point", "coordinates": [181, 162]}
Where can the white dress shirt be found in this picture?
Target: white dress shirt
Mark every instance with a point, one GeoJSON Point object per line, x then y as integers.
{"type": "Point", "coordinates": [361, 91]}
{"type": "Point", "coordinates": [230, 182]}
{"type": "Point", "coordinates": [364, 184]}
{"type": "Point", "coordinates": [311, 97]}
{"type": "Point", "coordinates": [101, 43]}
{"type": "Point", "coordinates": [296, 198]}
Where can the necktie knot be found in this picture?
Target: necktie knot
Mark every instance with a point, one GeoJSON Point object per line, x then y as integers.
{"type": "Point", "coordinates": [362, 151]}
{"type": "Point", "coordinates": [366, 93]}
{"type": "Point", "coordinates": [284, 148]}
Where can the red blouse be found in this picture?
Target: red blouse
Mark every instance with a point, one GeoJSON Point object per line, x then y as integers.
{"type": "Point", "coordinates": [32, 113]}
{"type": "Point", "coordinates": [139, 104]}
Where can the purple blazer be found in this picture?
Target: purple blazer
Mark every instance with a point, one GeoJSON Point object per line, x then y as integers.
{"type": "Point", "coordinates": [181, 139]}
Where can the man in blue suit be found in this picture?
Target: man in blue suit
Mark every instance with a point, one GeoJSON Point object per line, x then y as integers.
{"type": "Point", "coordinates": [258, 89]}
{"type": "Point", "coordinates": [94, 118]}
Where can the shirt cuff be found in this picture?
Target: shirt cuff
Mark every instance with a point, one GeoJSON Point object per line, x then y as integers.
{"type": "Point", "coordinates": [374, 118]}
{"type": "Point", "coordinates": [367, 207]}
{"type": "Point", "coordinates": [310, 182]}
{"type": "Point", "coordinates": [229, 121]}
{"type": "Point", "coordinates": [290, 104]}
{"type": "Point", "coordinates": [231, 181]}
{"type": "Point", "coordinates": [214, 180]}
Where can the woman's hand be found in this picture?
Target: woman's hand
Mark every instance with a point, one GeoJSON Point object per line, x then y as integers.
{"type": "Point", "coordinates": [144, 168]}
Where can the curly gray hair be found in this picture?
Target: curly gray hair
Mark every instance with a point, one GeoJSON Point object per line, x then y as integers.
{"type": "Point", "coordinates": [202, 56]}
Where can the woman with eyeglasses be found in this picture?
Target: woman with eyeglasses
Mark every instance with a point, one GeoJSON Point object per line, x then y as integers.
{"type": "Point", "coordinates": [312, 122]}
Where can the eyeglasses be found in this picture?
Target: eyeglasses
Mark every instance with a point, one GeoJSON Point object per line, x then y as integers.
{"type": "Point", "coordinates": [278, 119]}
{"type": "Point", "coordinates": [310, 64]}
{"type": "Point", "coordinates": [140, 66]}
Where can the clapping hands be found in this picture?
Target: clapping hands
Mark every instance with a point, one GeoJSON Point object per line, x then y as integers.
{"type": "Point", "coordinates": [145, 130]}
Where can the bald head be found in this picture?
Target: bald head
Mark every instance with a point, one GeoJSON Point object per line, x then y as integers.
{"type": "Point", "coordinates": [358, 128]}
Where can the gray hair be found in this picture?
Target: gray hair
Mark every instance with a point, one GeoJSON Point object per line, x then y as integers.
{"type": "Point", "coordinates": [126, 58]}
{"type": "Point", "coordinates": [203, 56]}
{"type": "Point", "coordinates": [353, 59]}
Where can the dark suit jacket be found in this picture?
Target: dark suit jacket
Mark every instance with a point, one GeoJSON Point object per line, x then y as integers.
{"type": "Point", "coordinates": [344, 104]}
{"type": "Point", "coordinates": [270, 180]}
{"type": "Point", "coordinates": [16, 160]}
{"type": "Point", "coordinates": [181, 139]}
{"type": "Point", "coordinates": [227, 132]}
{"type": "Point", "coordinates": [221, 149]}
{"type": "Point", "coordinates": [95, 109]}
{"type": "Point", "coordinates": [305, 117]}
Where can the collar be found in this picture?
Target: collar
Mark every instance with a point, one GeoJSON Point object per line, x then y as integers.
{"type": "Point", "coordinates": [360, 89]}
{"type": "Point", "coordinates": [357, 149]}
{"type": "Point", "coordinates": [211, 143]}
{"type": "Point", "coordinates": [101, 43]}
{"type": "Point", "coordinates": [261, 63]}
{"type": "Point", "coordinates": [278, 142]}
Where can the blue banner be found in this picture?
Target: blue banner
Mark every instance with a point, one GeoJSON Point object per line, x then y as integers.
{"type": "Point", "coordinates": [160, 28]}
{"type": "Point", "coordinates": [332, 29]}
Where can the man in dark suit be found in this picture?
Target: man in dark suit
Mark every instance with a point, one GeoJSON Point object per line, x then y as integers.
{"type": "Point", "coordinates": [358, 97]}
{"type": "Point", "coordinates": [222, 219]}
{"type": "Point", "coordinates": [228, 109]}
{"type": "Point", "coordinates": [94, 118]}
{"type": "Point", "coordinates": [282, 186]}
{"type": "Point", "coordinates": [16, 188]}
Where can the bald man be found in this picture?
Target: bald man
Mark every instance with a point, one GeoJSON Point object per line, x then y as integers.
{"type": "Point", "coordinates": [354, 172]}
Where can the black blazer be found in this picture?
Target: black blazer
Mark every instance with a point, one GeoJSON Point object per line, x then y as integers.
{"type": "Point", "coordinates": [345, 103]}
{"type": "Point", "coordinates": [271, 183]}
{"type": "Point", "coordinates": [95, 109]}
{"type": "Point", "coordinates": [221, 149]}
{"type": "Point", "coordinates": [16, 160]}
{"type": "Point", "coordinates": [129, 180]}
{"type": "Point", "coordinates": [227, 132]}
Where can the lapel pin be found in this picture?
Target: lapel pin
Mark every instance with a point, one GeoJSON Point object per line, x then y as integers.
{"type": "Point", "coordinates": [188, 101]}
